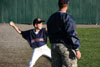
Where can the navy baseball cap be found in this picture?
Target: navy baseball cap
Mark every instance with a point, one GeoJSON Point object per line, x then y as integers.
{"type": "Point", "coordinates": [37, 21]}
{"type": "Point", "coordinates": [64, 1]}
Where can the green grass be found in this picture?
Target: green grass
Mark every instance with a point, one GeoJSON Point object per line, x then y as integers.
{"type": "Point", "coordinates": [90, 47]}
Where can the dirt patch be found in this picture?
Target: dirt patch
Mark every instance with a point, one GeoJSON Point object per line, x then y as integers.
{"type": "Point", "coordinates": [88, 26]}
{"type": "Point", "coordinates": [14, 50]}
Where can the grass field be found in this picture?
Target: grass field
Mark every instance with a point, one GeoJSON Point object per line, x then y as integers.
{"type": "Point", "coordinates": [90, 47]}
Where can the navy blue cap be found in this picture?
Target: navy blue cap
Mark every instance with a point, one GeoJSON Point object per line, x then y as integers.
{"type": "Point", "coordinates": [37, 21]}
{"type": "Point", "coordinates": [63, 1]}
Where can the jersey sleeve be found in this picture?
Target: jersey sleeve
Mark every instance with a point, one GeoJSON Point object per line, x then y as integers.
{"type": "Point", "coordinates": [25, 34]}
{"type": "Point", "coordinates": [70, 28]}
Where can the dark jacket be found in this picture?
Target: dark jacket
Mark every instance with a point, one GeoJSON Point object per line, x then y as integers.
{"type": "Point", "coordinates": [62, 29]}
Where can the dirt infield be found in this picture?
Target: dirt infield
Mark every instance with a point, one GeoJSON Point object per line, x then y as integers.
{"type": "Point", "coordinates": [88, 26]}
{"type": "Point", "coordinates": [14, 50]}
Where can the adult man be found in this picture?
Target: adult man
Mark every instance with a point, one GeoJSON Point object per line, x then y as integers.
{"type": "Point", "coordinates": [37, 39]}
{"type": "Point", "coordinates": [63, 38]}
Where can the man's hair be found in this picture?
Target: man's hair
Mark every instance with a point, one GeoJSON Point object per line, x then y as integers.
{"type": "Point", "coordinates": [62, 4]}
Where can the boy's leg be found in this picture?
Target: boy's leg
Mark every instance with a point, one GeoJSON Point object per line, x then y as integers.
{"type": "Point", "coordinates": [46, 51]}
{"type": "Point", "coordinates": [35, 55]}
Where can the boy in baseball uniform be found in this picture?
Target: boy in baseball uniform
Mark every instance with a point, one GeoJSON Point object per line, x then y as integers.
{"type": "Point", "coordinates": [37, 39]}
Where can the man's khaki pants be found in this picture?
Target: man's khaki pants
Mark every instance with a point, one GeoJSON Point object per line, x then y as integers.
{"type": "Point", "coordinates": [63, 56]}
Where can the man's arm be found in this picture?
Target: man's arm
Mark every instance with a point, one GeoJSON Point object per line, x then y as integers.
{"type": "Point", "coordinates": [75, 41]}
{"type": "Point", "coordinates": [15, 27]}
{"type": "Point", "coordinates": [70, 28]}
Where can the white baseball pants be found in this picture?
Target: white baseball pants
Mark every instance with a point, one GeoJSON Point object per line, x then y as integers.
{"type": "Point", "coordinates": [37, 52]}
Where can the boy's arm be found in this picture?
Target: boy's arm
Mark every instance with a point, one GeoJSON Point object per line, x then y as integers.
{"type": "Point", "coordinates": [15, 27]}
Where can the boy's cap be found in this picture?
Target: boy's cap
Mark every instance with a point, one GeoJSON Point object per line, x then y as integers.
{"type": "Point", "coordinates": [37, 21]}
{"type": "Point", "coordinates": [63, 1]}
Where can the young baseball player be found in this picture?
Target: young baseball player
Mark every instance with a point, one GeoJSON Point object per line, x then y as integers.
{"type": "Point", "coordinates": [37, 39]}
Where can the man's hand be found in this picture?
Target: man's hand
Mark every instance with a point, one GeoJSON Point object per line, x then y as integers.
{"type": "Point", "coordinates": [78, 54]}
